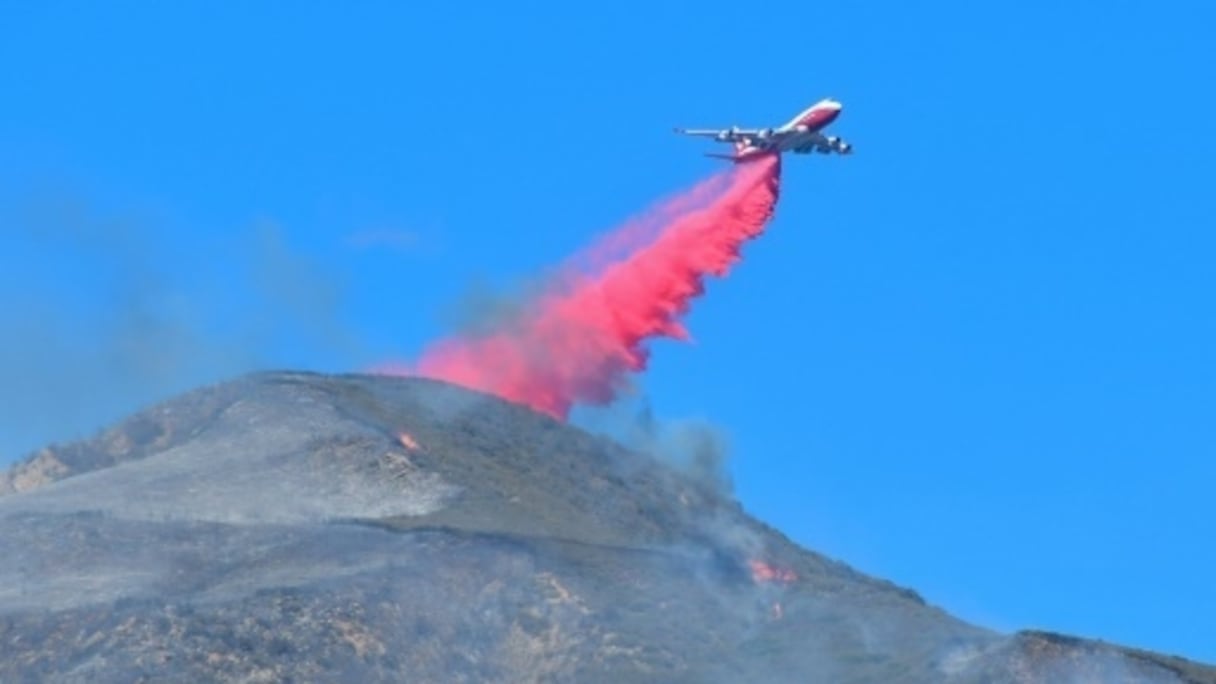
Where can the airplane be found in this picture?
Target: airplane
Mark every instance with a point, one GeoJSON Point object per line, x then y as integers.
{"type": "Point", "coordinates": [800, 135]}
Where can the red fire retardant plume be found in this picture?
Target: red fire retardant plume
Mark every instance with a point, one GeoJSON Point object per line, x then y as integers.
{"type": "Point", "coordinates": [576, 342]}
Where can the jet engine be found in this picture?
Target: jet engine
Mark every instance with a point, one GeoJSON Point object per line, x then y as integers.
{"type": "Point", "coordinates": [839, 145]}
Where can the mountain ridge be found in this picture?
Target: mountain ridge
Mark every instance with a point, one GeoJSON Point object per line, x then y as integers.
{"type": "Point", "coordinates": [581, 560]}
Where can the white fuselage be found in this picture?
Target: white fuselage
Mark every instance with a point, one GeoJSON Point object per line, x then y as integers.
{"type": "Point", "coordinates": [800, 132]}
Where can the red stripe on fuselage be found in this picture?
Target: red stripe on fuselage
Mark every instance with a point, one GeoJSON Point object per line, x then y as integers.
{"type": "Point", "coordinates": [819, 117]}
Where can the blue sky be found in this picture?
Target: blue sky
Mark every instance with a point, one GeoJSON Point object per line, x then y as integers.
{"type": "Point", "coordinates": [975, 358]}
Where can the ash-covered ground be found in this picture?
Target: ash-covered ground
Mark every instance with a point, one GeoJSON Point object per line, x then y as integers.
{"type": "Point", "coordinates": [294, 527]}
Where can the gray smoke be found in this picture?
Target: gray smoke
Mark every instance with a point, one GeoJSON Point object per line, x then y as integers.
{"type": "Point", "coordinates": [110, 317]}
{"type": "Point", "coordinates": [694, 446]}
{"type": "Point", "coordinates": [297, 287]}
{"type": "Point", "coordinates": [482, 309]}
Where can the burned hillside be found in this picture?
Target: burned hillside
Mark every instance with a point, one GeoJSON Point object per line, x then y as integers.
{"type": "Point", "coordinates": [303, 527]}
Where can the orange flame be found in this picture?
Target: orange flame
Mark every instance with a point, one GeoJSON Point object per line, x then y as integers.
{"type": "Point", "coordinates": [763, 572]}
{"type": "Point", "coordinates": [407, 441]}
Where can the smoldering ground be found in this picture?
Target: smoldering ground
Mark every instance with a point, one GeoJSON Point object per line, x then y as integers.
{"type": "Point", "coordinates": [289, 531]}
{"type": "Point", "coordinates": [103, 312]}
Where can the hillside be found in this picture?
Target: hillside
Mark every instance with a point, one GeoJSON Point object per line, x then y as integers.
{"type": "Point", "coordinates": [303, 527]}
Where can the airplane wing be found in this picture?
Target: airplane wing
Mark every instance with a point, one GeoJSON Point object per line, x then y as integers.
{"type": "Point", "coordinates": [814, 143]}
{"type": "Point", "coordinates": [825, 145]}
{"type": "Point", "coordinates": [722, 134]}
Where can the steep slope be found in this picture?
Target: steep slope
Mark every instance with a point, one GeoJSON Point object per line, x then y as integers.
{"type": "Point", "coordinates": [292, 526]}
